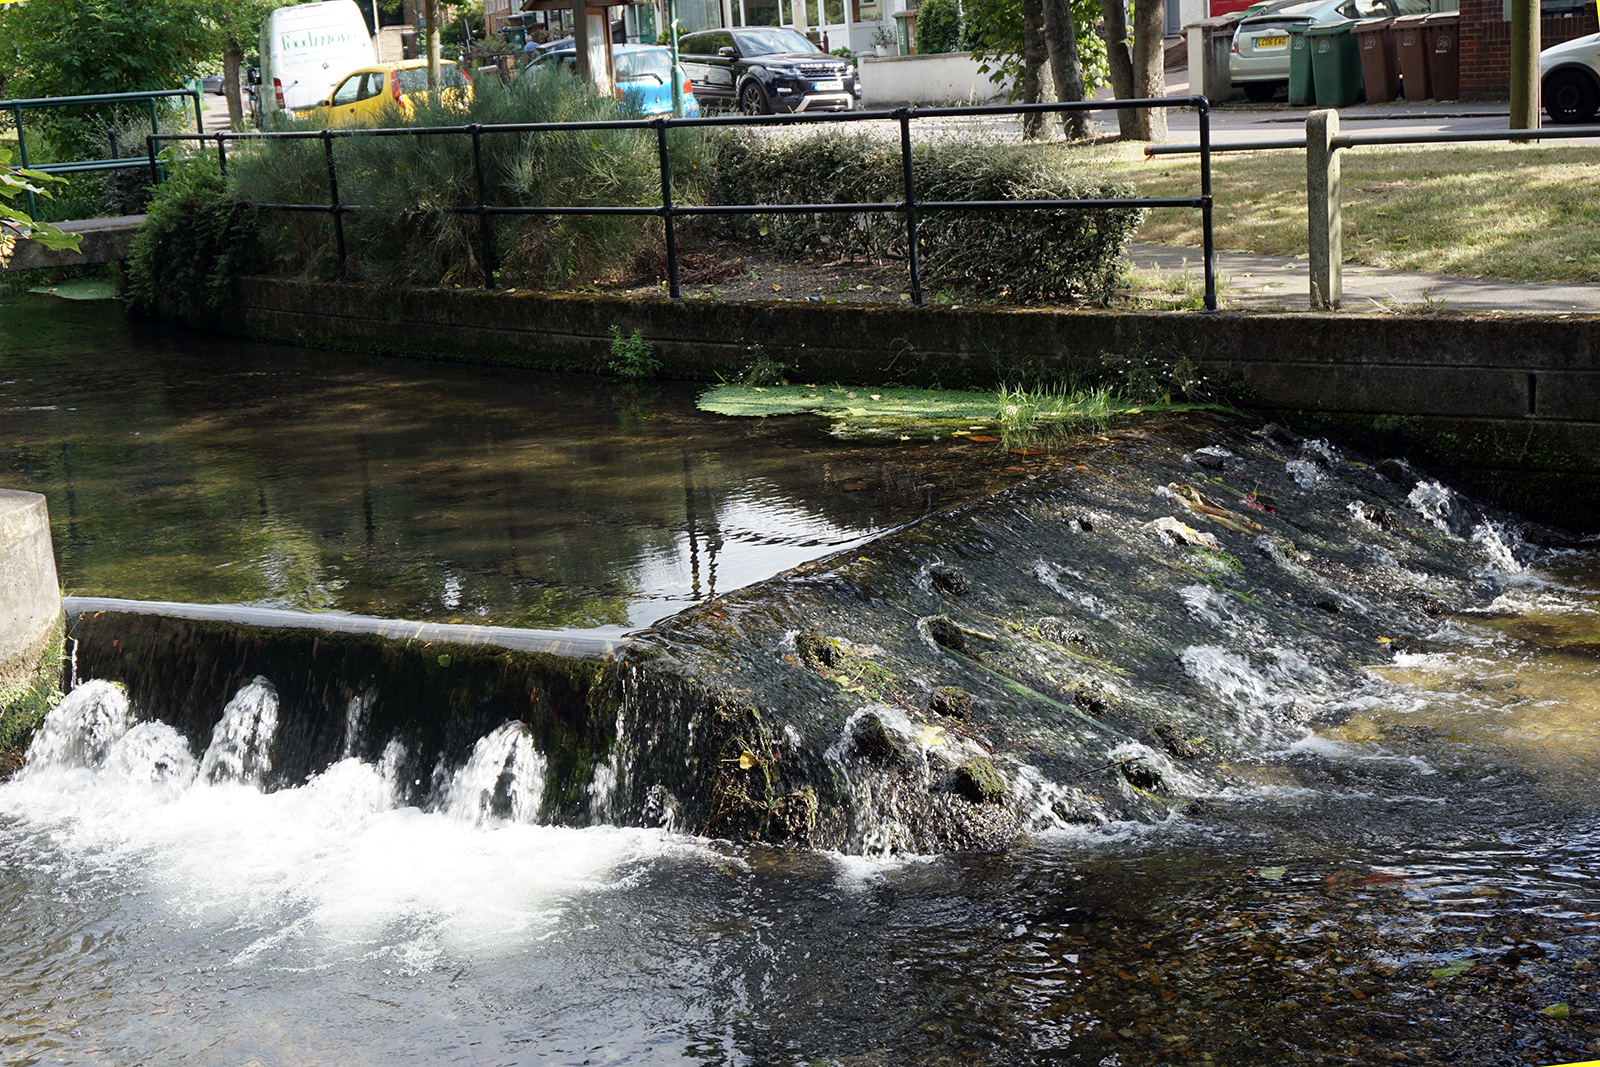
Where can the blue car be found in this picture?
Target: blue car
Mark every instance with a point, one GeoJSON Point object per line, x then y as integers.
{"type": "Point", "coordinates": [644, 76]}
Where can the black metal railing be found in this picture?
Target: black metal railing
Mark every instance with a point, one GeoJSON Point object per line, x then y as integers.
{"type": "Point", "coordinates": [17, 107]}
{"type": "Point", "coordinates": [668, 211]}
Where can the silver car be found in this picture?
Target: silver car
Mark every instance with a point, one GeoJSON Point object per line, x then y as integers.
{"type": "Point", "coordinates": [1259, 64]}
{"type": "Point", "coordinates": [1569, 79]}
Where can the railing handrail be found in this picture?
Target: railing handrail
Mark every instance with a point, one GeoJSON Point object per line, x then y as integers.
{"type": "Point", "coordinates": [95, 98]}
{"type": "Point", "coordinates": [1357, 140]}
{"type": "Point", "coordinates": [667, 210]}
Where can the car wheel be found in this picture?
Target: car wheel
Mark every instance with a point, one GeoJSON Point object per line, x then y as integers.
{"type": "Point", "coordinates": [1570, 96]}
{"type": "Point", "coordinates": [752, 101]}
{"type": "Point", "coordinates": [1259, 92]}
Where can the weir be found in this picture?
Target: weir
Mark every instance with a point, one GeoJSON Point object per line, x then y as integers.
{"type": "Point", "coordinates": [1189, 706]}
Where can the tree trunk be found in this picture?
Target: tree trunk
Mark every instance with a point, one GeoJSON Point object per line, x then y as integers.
{"type": "Point", "coordinates": [430, 12]}
{"type": "Point", "coordinates": [1035, 54]}
{"type": "Point", "coordinates": [1149, 68]}
{"type": "Point", "coordinates": [1120, 61]}
{"type": "Point", "coordinates": [232, 56]}
{"type": "Point", "coordinates": [1065, 67]}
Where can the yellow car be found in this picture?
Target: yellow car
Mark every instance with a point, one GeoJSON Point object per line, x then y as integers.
{"type": "Point", "coordinates": [364, 95]}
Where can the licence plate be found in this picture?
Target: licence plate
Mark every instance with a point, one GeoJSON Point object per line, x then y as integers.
{"type": "Point", "coordinates": [833, 84]}
{"type": "Point", "coordinates": [1272, 42]}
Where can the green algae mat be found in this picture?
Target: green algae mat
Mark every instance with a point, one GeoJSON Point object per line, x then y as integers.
{"type": "Point", "coordinates": [878, 411]}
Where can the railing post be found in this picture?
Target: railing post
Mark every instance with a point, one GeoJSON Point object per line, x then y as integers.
{"type": "Point", "coordinates": [199, 123]}
{"type": "Point", "coordinates": [485, 237]}
{"type": "Point", "coordinates": [222, 154]}
{"type": "Point", "coordinates": [1209, 243]}
{"type": "Point", "coordinates": [1325, 237]}
{"type": "Point", "coordinates": [904, 115]}
{"type": "Point", "coordinates": [22, 159]}
{"type": "Point", "coordinates": [673, 288]}
{"type": "Point", "coordinates": [155, 171]}
{"type": "Point", "coordinates": [333, 195]}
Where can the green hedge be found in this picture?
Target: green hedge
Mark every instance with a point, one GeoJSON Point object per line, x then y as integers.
{"type": "Point", "coordinates": [1023, 254]}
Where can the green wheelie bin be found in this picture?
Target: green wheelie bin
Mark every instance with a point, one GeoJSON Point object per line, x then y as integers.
{"type": "Point", "coordinates": [1301, 91]}
{"type": "Point", "coordinates": [1335, 64]}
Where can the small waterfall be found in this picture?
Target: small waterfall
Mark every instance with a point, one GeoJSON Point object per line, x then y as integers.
{"type": "Point", "coordinates": [241, 744]}
{"type": "Point", "coordinates": [80, 731]}
{"type": "Point", "coordinates": [503, 779]}
{"type": "Point", "coordinates": [153, 753]}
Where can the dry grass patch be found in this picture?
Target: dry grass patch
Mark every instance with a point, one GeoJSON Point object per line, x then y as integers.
{"type": "Point", "coordinates": [1521, 212]}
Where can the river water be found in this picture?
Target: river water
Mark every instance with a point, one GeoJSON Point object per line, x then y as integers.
{"type": "Point", "coordinates": [1412, 878]}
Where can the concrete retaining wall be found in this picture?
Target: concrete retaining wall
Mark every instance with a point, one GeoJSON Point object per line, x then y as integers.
{"type": "Point", "coordinates": [30, 598]}
{"type": "Point", "coordinates": [945, 78]}
{"type": "Point", "coordinates": [1502, 404]}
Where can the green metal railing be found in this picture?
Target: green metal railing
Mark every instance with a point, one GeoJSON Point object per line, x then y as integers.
{"type": "Point", "coordinates": [17, 107]}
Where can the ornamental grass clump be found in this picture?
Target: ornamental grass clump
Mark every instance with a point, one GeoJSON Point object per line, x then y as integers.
{"type": "Point", "coordinates": [407, 188]}
{"type": "Point", "coordinates": [1022, 254]}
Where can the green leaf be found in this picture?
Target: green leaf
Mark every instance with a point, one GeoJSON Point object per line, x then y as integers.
{"type": "Point", "coordinates": [1271, 874]}
{"type": "Point", "coordinates": [1453, 968]}
{"type": "Point", "coordinates": [1556, 1011]}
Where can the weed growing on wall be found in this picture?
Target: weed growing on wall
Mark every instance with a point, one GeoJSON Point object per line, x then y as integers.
{"type": "Point", "coordinates": [632, 356]}
{"type": "Point", "coordinates": [195, 238]}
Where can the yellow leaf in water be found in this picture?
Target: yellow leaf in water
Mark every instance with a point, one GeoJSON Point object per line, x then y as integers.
{"type": "Point", "coordinates": [747, 759]}
{"type": "Point", "coordinates": [1556, 1011]}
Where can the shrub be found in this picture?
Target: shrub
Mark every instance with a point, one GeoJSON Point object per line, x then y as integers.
{"type": "Point", "coordinates": [195, 238]}
{"type": "Point", "coordinates": [406, 231]}
{"type": "Point", "coordinates": [938, 26]}
{"type": "Point", "coordinates": [1026, 254]}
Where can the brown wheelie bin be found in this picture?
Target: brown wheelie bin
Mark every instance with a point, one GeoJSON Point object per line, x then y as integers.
{"type": "Point", "coordinates": [1380, 62]}
{"type": "Point", "coordinates": [1411, 44]}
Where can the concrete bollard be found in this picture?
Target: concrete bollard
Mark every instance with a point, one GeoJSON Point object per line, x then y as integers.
{"type": "Point", "coordinates": [30, 596]}
{"type": "Point", "coordinates": [1325, 239]}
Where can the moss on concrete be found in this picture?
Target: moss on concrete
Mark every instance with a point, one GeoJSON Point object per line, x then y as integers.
{"type": "Point", "coordinates": [24, 705]}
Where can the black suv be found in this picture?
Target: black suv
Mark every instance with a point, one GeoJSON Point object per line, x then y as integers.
{"type": "Point", "coordinates": [762, 69]}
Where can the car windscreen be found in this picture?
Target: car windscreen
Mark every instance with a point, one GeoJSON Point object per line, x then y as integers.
{"type": "Point", "coordinates": [415, 79]}
{"type": "Point", "coordinates": [769, 39]}
{"type": "Point", "coordinates": [651, 66]}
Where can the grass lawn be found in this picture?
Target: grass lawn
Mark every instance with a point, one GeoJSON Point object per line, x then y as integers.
{"type": "Point", "coordinates": [1521, 212]}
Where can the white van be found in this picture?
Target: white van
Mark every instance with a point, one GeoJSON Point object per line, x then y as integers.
{"type": "Point", "coordinates": [305, 50]}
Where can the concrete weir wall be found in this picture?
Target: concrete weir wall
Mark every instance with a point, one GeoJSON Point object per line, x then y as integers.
{"type": "Point", "coordinates": [1508, 406]}
{"type": "Point", "coordinates": [30, 598]}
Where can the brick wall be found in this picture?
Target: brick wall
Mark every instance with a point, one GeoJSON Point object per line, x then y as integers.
{"type": "Point", "coordinates": [1485, 45]}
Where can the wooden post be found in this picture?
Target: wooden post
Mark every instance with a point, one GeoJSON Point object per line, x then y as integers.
{"type": "Point", "coordinates": [1325, 237]}
{"type": "Point", "coordinates": [1525, 37]}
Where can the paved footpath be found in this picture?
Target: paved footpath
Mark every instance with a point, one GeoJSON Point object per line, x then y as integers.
{"type": "Point", "coordinates": [1253, 282]}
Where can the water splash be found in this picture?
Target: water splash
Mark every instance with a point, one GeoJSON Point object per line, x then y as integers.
{"type": "Point", "coordinates": [80, 731]}
{"type": "Point", "coordinates": [154, 754]}
{"type": "Point", "coordinates": [241, 743]}
{"type": "Point", "coordinates": [502, 780]}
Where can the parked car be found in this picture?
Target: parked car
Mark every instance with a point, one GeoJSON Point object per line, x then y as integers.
{"type": "Point", "coordinates": [1259, 64]}
{"type": "Point", "coordinates": [643, 71]}
{"type": "Point", "coordinates": [763, 69]}
{"type": "Point", "coordinates": [364, 95]}
{"type": "Point", "coordinates": [1569, 79]}
{"type": "Point", "coordinates": [211, 84]}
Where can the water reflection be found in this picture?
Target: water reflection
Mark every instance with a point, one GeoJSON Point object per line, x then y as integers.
{"type": "Point", "coordinates": [195, 469]}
